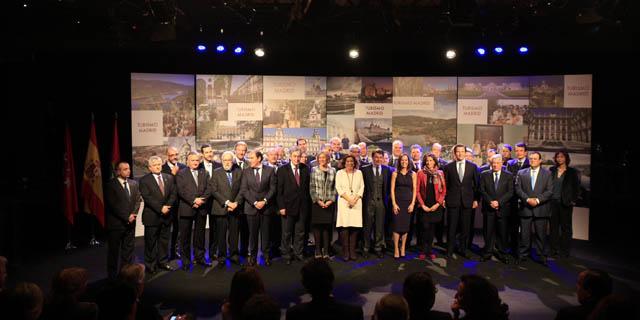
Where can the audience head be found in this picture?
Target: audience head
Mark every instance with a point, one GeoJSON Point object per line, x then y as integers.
{"type": "Point", "coordinates": [420, 293]}
{"type": "Point", "coordinates": [391, 307]}
{"type": "Point", "coordinates": [317, 278]}
{"type": "Point", "coordinates": [479, 298]}
{"type": "Point", "coordinates": [69, 283]}
{"type": "Point", "coordinates": [3, 272]}
{"type": "Point", "coordinates": [117, 301]}
{"type": "Point", "coordinates": [24, 301]}
{"type": "Point", "coordinates": [244, 284]}
{"type": "Point", "coordinates": [133, 274]}
{"type": "Point", "coordinates": [261, 307]}
{"type": "Point", "coordinates": [592, 286]}
{"type": "Point", "coordinates": [613, 307]}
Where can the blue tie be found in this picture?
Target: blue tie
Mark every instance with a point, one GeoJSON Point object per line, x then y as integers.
{"type": "Point", "coordinates": [533, 179]}
{"type": "Point", "coordinates": [495, 180]}
{"type": "Point", "coordinates": [230, 178]}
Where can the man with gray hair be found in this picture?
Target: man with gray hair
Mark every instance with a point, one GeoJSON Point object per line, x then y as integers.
{"type": "Point", "coordinates": [436, 149]}
{"type": "Point", "coordinates": [364, 157]}
{"type": "Point", "coordinates": [336, 152]}
{"type": "Point", "coordinates": [240, 150]}
{"type": "Point", "coordinates": [397, 147]}
{"type": "Point", "coordinates": [158, 190]}
{"type": "Point", "coordinates": [496, 189]}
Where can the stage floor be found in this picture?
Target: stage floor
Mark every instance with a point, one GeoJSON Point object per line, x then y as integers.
{"type": "Point", "coordinates": [531, 290]}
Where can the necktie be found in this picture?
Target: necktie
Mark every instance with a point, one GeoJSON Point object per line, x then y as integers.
{"type": "Point", "coordinates": [229, 178]}
{"type": "Point", "coordinates": [533, 179]}
{"type": "Point", "coordinates": [161, 184]}
{"type": "Point", "coordinates": [460, 175]}
{"type": "Point", "coordinates": [495, 180]}
{"type": "Point", "coordinates": [257, 176]}
{"type": "Point", "coordinates": [297, 176]}
{"type": "Point", "coordinates": [377, 171]}
{"type": "Point", "coordinates": [126, 188]}
{"type": "Point", "coordinates": [195, 176]}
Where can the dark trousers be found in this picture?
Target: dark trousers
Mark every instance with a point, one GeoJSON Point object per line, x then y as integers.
{"type": "Point", "coordinates": [156, 245]}
{"type": "Point", "coordinates": [175, 230]}
{"type": "Point", "coordinates": [374, 216]}
{"type": "Point", "coordinates": [293, 233]}
{"type": "Point", "coordinates": [120, 243]}
{"type": "Point", "coordinates": [234, 233]}
{"type": "Point", "coordinates": [321, 237]}
{"type": "Point", "coordinates": [258, 229]}
{"type": "Point", "coordinates": [561, 228]}
{"type": "Point", "coordinates": [539, 238]}
{"type": "Point", "coordinates": [439, 229]}
{"type": "Point", "coordinates": [513, 229]}
{"type": "Point", "coordinates": [495, 233]}
{"type": "Point", "coordinates": [428, 232]}
{"type": "Point", "coordinates": [348, 238]}
{"type": "Point", "coordinates": [221, 224]}
{"type": "Point", "coordinates": [243, 227]}
{"type": "Point", "coordinates": [213, 237]}
{"type": "Point", "coordinates": [459, 219]}
{"type": "Point", "coordinates": [198, 224]}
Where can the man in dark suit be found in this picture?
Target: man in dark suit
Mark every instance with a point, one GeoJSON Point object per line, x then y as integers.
{"type": "Point", "coordinates": [377, 178]}
{"type": "Point", "coordinates": [317, 279]}
{"type": "Point", "coordinates": [496, 188]}
{"type": "Point", "coordinates": [192, 186]}
{"type": "Point", "coordinates": [487, 165]}
{"type": "Point", "coordinates": [172, 166]}
{"type": "Point", "coordinates": [123, 202]}
{"type": "Point", "coordinates": [514, 165]}
{"type": "Point", "coordinates": [462, 198]}
{"type": "Point", "coordinates": [294, 202]}
{"type": "Point", "coordinates": [240, 151]}
{"type": "Point", "coordinates": [258, 190]}
{"type": "Point", "coordinates": [209, 165]}
{"type": "Point", "coordinates": [158, 190]}
{"type": "Point", "coordinates": [224, 188]}
{"type": "Point", "coordinates": [534, 187]}
{"type": "Point", "coordinates": [415, 227]}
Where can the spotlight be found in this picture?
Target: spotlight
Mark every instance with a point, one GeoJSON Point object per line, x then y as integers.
{"type": "Point", "coordinates": [238, 50]}
{"type": "Point", "coordinates": [201, 47]}
{"type": "Point", "coordinates": [220, 48]}
{"type": "Point", "coordinates": [450, 54]}
{"type": "Point", "coordinates": [498, 50]}
{"type": "Point", "coordinates": [259, 52]}
{"type": "Point", "coordinates": [523, 50]}
{"type": "Point", "coordinates": [354, 53]}
{"type": "Point", "coordinates": [481, 51]}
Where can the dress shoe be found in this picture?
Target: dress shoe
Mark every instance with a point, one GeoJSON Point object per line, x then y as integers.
{"type": "Point", "coordinates": [365, 254]}
{"type": "Point", "coordinates": [544, 261]}
{"type": "Point", "coordinates": [150, 272]}
{"type": "Point", "coordinates": [221, 263]}
{"type": "Point", "coordinates": [380, 254]}
{"type": "Point", "coordinates": [486, 257]}
{"type": "Point", "coordinates": [299, 257]}
{"type": "Point", "coordinates": [166, 266]}
{"type": "Point", "coordinates": [287, 261]}
{"type": "Point", "coordinates": [186, 267]}
{"type": "Point", "coordinates": [267, 261]}
{"type": "Point", "coordinates": [235, 259]}
{"type": "Point", "coordinates": [203, 263]}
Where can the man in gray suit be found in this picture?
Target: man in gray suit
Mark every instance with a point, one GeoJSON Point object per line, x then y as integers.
{"type": "Point", "coordinates": [224, 187]}
{"type": "Point", "coordinates": [534, 187]}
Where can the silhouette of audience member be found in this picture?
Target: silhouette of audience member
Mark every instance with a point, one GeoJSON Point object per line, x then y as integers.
{"type": "Point", "coordinates": [261, 307]}
{"type": "Point", "coordinates": [244, 284]}
{"type": "Point", "coordinates": [420, 293]}
{"type": "Point", "coordinates": [67, 286]}
{"type": "Point", "coordinates": [592, 286]}
{"type": "Point", "coordinates": [317, 279]}
{"type": "Point", "coordinates": [391, 307]}
{"type": "Point", "coordinates": [479, 299]}
{"type": "Point", "coordinates": [117, 301]}
{"type": "Point", "coordinates": [24, 301]}
{"type": "Point", "coordinates": [615, 306]}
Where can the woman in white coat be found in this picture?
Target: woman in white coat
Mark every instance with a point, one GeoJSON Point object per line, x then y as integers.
{"type": "Point", "coordinates": [350, 188]}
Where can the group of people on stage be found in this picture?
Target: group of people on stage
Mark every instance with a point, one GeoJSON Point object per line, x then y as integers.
{"type": "Point", "coordinates": [255, 200]}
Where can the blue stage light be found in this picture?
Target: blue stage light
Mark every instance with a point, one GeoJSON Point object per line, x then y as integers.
{"type": "Point", "coordinates": [481, 51]}
{"type": "Point", "coordinates": [238, 50]}
{"type": "Point", "coordinates": [201, 47]}
{"type": "Point", "coordinates": [220, 48]}
{"type": "Point", "coordinates": [498, 50]}
{"type": "Point", "coordinates": [523, 50]}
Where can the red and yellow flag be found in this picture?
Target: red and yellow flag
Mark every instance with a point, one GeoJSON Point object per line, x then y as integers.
{"type": "Point", "coordinates": [92, 179]}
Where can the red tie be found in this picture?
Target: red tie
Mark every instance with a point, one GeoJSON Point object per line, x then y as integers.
{"type": "Point", "coordinates": [161, 184]}
{"type": "Point", "coordinates": [297, 176]}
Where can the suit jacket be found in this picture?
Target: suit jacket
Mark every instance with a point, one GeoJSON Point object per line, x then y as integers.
{"type": "Point", "coordinates": [291, 197]}
{"type": "Point", "coordinates": [337, 162]}
{"type": "Point", "coordinates": [512, 166]}
{"type": "Point", "coordinates": [220, 190]}
{"type": "Point", "coordinates": [502, 194]}
{"type": "Point", "coordinates": [188, 191]}
{"type": "Point", "coordinates": [442, 163]}
{"type": "Point", "coordinates": [215, 166]}
{"type": "Point", "coordinates": [154, 199]}
{"type": "Point", "coordinates": [570, 186]}
{"type": "Point", "coordinates": [120, 205]}
{"type": "Point", "coordinates": [543, 191]}
{"type": "Point", "coordinates": [244, 161]}
{"type": "Point", "coordinates": [461, 194]}
{"type": "Point", "coordinates": [166, 169]}
{"type": "Point", "coordinates": [252, 192]}
{"type": "Point", "coordinates": [322, 310]}
{"type": "Point", "coordinates": [368, 174]}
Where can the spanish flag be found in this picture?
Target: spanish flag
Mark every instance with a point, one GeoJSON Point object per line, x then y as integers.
{"type": "Point", "coordinates": [92, 179]}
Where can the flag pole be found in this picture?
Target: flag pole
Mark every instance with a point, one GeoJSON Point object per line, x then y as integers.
{"type": "Point", "coordinates": [69, 246]}
{"type": "Point", "coordinates": [93, 242]}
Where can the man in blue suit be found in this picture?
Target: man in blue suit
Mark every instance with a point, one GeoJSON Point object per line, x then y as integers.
{"type": "Point", "coordinates": [534, 187]}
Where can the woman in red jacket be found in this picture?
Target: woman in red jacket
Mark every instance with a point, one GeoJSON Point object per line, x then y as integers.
{"type": "Point", "coordinates": [431, 192]}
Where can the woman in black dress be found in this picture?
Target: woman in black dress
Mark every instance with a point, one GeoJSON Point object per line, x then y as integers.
{"type": "Point", "coordinates": [431, 193]}
{"type": "Point", "coordinates": [403, 197]}
{"type": "Point", "coordinates": [566, 189]}
{"type": "Point", "coordinates": [323, 196]}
